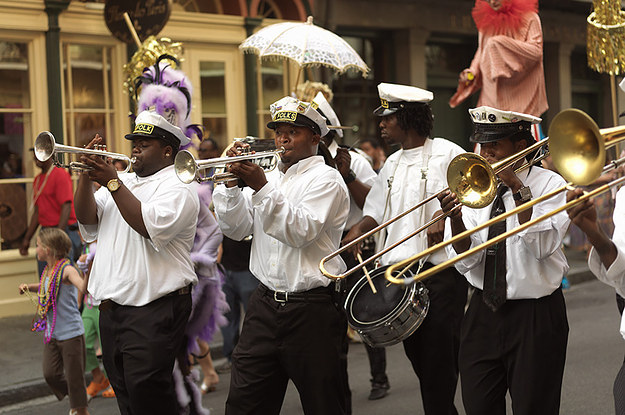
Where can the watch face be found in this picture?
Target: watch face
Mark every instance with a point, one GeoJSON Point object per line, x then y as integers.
{"type": "Point", "coordinates": [113, 185]}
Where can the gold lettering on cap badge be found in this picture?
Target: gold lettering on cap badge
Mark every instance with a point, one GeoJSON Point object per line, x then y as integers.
{"type": "Point", "coordinates": [144, 128]}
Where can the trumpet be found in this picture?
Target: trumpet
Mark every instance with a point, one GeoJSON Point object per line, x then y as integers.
{"type": "Point", "coordinates": [188, 169]}
{"type": "Point", "coordinates": [46, 147]}
{"type": "Point", "coordinates": [578, 146]}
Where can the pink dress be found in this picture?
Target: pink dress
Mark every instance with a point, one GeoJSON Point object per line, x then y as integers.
{"type": "Point", "coordinates": [508, 67]}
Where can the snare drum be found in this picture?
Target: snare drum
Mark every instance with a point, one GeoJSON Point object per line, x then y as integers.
{"type": "Point", "coordinates": [389, 316]}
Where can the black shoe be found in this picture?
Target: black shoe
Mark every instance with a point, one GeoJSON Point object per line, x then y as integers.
{"type": "Point", "coordinates": [379, 390]}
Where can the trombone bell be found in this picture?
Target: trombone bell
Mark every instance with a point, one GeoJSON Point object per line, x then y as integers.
{"type": "Point", "coordinates": [472, 179]}
{"type": "Point", "coordinates": [580, 154]}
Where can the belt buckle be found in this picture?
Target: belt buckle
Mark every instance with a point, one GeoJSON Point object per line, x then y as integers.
{"type": "Point", "coordinates": [281, 300]}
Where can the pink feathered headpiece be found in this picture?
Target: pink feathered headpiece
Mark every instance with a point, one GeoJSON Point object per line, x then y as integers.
{"type": "Point", "coordinates": [508, 17]}
{"type": "Point", "coordinates": [168, 92]}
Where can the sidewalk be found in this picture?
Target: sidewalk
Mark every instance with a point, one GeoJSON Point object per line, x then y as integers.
{"type": "Point", "coordinates": [21, 349]}
{"type": "Point", "coordinates": [20, 360]}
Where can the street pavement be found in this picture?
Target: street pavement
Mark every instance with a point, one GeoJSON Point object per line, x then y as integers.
{"type": "Point", "coordinates": [595, 353]}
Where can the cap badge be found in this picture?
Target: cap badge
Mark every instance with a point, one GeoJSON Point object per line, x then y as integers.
{"type": "Point", "coordinates": [287, 116]}
{"type": "Point", "coordinates": [144, 128]}
{"type": "Point", "coordinates": [301, 107]}
{"type": "Point", "coordinates": [383, 103]}
{"type": "Point", "coordinates": [492, 117]}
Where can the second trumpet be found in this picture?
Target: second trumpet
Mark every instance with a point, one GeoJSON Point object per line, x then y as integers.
{"type": "Point", "coordinates": [189, 169]}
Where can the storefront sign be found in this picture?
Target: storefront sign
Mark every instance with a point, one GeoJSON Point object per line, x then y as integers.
{"type": "Point", "coordinates": [148, 17]}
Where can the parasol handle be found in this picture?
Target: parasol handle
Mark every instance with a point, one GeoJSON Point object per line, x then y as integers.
{"type": "Point", "coordinates": [131, 27]}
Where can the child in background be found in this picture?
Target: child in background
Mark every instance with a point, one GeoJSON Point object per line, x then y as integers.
{"type": "Point", "coordinates": [59, 319]}
{"type": "Point", "coordinates": [91, 319]}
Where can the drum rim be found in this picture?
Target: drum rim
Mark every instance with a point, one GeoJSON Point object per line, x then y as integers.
{"type": "Point", "coordinates": [363, 283]}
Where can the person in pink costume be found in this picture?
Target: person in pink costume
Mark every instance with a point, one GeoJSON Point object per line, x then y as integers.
{"type": "Point", "coordinates": [508, 63]}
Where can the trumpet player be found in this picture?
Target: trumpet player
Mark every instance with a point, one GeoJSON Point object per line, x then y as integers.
{"type": "Point", "coordinates": [294, 326]}
{"type": "Point", "coordinates": [409, 175]}
{"type": "Point", "coordinates": [145, 223]}
{"type": "Point", "coordinates": [515, 330]}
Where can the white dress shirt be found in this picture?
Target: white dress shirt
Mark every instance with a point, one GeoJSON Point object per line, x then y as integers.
{"type": "Point", "coordinates": [296, 219]}
{"type": "Point", "coordinates": [405, 169]}
{"type": "Point", "coordinates": [364, 172]}
{"type": "Point", "coordinates": [130, 269]}
{"type": "Point", "coordinates": [615, 275]}
{"type": "Point", "coordinates": [534, 259]}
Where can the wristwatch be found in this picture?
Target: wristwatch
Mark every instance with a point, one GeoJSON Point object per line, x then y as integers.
{"type": "Point", "coordinates": [523, 195]}
{"type": "Point", "coordinates": [351, 176]}
{"type": "Point", "coordinates": [113, 185]}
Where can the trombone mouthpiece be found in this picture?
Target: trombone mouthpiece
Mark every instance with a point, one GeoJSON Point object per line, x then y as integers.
{"type": "Point", "coordinates": [133, 160]}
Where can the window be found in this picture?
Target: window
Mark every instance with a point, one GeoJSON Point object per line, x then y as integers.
{"type": "Point", "coordinates": [272, 85]}
{"type": "Point", "coordinates": [15, 141]}
{"type": "Point", "coordinates": [213, 87]}
{"type": "Point", "coordinates": [87, 94]}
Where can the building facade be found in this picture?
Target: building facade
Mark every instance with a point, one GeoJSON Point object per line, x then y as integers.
{"type": "Point", "coordinates": [61, 71]}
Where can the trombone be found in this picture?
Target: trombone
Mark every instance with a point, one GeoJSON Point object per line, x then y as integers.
{"type": "Point", "coordinates": [188, 169]}
{"type": "Point", "coordinates": [580, 147]}
{"type": "Point", "coordinates": [469, 175]}
{"type": "Point", "coordinates": [46, 147]}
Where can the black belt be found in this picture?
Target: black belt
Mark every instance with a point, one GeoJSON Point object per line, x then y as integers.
{"type": "Point", "coordinates": [110, 304]}
{"type": "Point", "coordinates": [73, 227]}
{"type": "Point", "coordinates": [316, 295]}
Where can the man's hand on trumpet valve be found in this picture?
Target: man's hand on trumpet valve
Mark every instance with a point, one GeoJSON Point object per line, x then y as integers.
{"type": "Point", "coordinates": [103, 171]}
{"type": "Point", "coordinates": [251, 173]}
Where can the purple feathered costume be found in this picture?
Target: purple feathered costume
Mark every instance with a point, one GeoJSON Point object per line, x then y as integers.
{"type": "Point", "coordinates": [168, 92]}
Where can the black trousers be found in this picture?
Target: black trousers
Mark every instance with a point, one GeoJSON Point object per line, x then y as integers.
{"type": "Point", "coordinates": [433, 348]}
{"type": "Point", "coordinates": [300, 341]}
{"type": "Point", "coordinates": [521, 348]}
{"type": "Point", "coordinates": [139, 346]}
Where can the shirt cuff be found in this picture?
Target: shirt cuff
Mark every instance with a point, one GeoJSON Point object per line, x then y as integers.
{"type": "Point", "coordinates": [257, 197]}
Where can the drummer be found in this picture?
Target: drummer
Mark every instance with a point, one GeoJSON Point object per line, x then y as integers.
{"type": "Point", "coordinates": [515, 330]}
{"type": "Point", "coordinates": [409, 175]}
{"type": "Point", "coordinates": [293, 327]}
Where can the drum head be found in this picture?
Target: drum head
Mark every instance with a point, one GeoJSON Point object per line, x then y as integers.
{"type": "Point", "coordinates": [365, 308]}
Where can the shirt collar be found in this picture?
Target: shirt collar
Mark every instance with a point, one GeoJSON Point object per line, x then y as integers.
{"type": "Point", "coordinates": [303, 165]}
{"type": "Point", "coordinates": [158, 176]}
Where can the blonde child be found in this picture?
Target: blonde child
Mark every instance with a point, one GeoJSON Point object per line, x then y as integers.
{"type": "Point", "coordinates": [58, 317]}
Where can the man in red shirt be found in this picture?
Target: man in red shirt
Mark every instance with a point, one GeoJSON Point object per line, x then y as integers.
{"type": "Point", "coordinates": [52, 207]}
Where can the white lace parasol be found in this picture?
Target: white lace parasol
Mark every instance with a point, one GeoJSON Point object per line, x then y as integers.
{"type": "Point", "coordinates": [306, 44]}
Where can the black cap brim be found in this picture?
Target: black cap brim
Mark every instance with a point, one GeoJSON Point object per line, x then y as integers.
{"type": "Point", "coordinates": [157, 134]}
{"type": "Point", "coordinates": [487, 133]}
{"type": "Point", "coordinates": [382, 111]}
{"type": "Point", "coordinates": [300, 121]}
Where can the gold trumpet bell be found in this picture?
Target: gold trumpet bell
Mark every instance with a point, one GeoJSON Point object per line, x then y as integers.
{"type": "Point", "coordinates": [472, 179]}
{"type": "Point", "coordinates": [576, 147]}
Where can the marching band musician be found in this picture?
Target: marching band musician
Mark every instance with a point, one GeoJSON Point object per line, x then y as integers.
{"type": "Point", "coordinates": [515, 330]}
{"type": "Point", "coordinates": [145, 223]}
{"type": "Point", "coordinates": [606, 260]}
{"type": "Point", "coordinates": [293, 327]}
{"type": "Point", "coordinates": [409, 175]}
